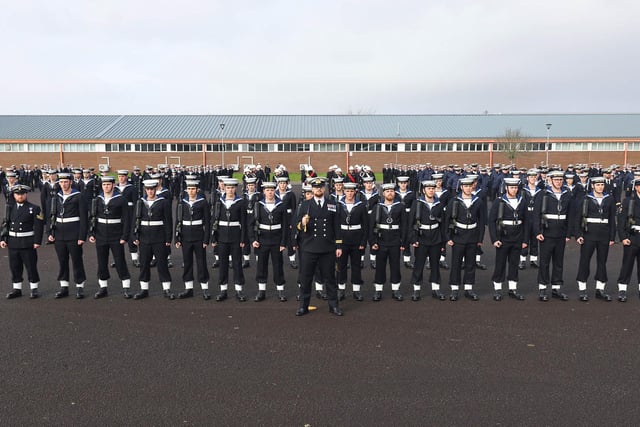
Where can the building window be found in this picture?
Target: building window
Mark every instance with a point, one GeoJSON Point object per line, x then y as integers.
{"type": "Point", "coordinates": [186, 147]}
{"type": "Point", "coordinates": [79, 148]}
{"type": "Point", "coordinates": [365, 147]}
{"type": "Point", "coordinates": [258, 147]}
{"type": "Point", "coordinates": [118, 147]}
{"type": "Point", "coordinates": [144, 148]}
{"type": "Point", "coordinates": [15, 147]}
{"type": "Point", "coordinates": [607, 146]}
{"type": "Point", "coordinates": [294, 147]}
{"type": "Point", "coordinates": [329, 147]}
{"type": "Point", "coordinates": [220, 147]}
{"type": "Point", "coordinates": [391, 147]}
{"type": "Point", "coordinates": [467, 146]}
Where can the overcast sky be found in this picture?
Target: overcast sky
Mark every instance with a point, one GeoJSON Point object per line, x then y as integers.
{"type": "Point", "coordinates": [319, 57]}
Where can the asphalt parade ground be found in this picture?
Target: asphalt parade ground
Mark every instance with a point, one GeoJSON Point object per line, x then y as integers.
{"type": "Point", "coordinates": [194, 362]}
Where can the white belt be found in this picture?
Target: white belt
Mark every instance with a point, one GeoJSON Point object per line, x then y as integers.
{"type": "Point", "coordinates": [151, 223]}
{"type": "Point", "coordinates": [270, 227]}
{"type": "Point", "coordinates": [598, 220]}
{"type": "Point", "coordinates": [70, 219]}
{"type": "Point", "coordinates": [551, 216]}
{"type": "Point", "coordinates": [466, 226]}
{"type": "Point", "coordinates": [109, 221]}
{"type": "Point", "coordinates": [635, 227]}
{"type": "Point", "coordinates": [429, 227]}
{"type": "Point", "coordinates": [351, 227]}
{"type": "Point", "coordinates": [194, 222]}
{"type": "Point", "coordinates": [229, 223]}
{"type": "Point", "coordinates": [510, 222]}
{"type": "Point", "coordinates": [21, 234]}
{"type": "Point", "coordinates": [389, 226]}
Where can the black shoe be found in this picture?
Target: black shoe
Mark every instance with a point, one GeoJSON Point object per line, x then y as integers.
{"type": "Point", "coordinates": [153, 262]}
{"type": "Point", "coordinates": [453, 296]}
{"type": "Point", "coordinates": [221, 296]}
{"type": "Point", "coordinates": [79, 293]}
{"type": "Point", "coordinates": [62, 293]}
{"type": "Point", "coordinates": [336, 310]}
{"type": "Point", "coordinates": [416, 296]}
{"type": "Point", "coordinates": [34, 294]}
{"type": "Point", "coordinates": [522, 265]}
{"type": "Point", "coordinates": [240, 296]}
{"type": "Point", "coordinates": [357, 295]}
{"type": "Point", "coordinates": [559, 295]}
{"type": "Point", "coordinates": [542, 295]}
{"type": "Point", "coordinates": [282, 296]}
{"type": "Point", "coordinates": [481, 266]}
{"type": "Point", "coordinates": [126, 294]}
{"type": "Point", "coordinates": [396, 295]}
{"type": "Point", "coordinates": [188, 293]}
{"type": "Point", "coordinates": [293, 264]}
{"type": "Point", "coordinates": [102, 292]}
{"type": "Point", "coordinates": [302, 311]}
{"type": "Point", "coordinates": [444, 265]}
{"type": "Point", "coordinates": [168, 294]}
{"type": "Point", "coordinates": [600, 294]}
{"type": "Point", "coordinates": [215, 264]}
{"type": "Point", "coordinates": [497, 296]}
{"type": "Point", "coordinates": [377, 296]}
{"type": "Point", "coordinates": [372, 264]}
{"type": "Point", "coordinates": [113, 264]}
{"type": "Point", "coordinates": [438, 295]}
{"type": "Point", "coordinates": [516, 295]}
{"type": "Point", "coordinates": [534, 264]}
{"type": "Point", "coordinates": [206, 295]}
{"type": "Point", "coordinates": [260, 296]}
{"type": "Point", "coordinates": [341, 294]}
{"type": "Point", "coordinates": [583, 296]}
{"type": "Point", "coordinates": [142, 294]}
{"type": "Point", "coordinates": [471, 295]}
{"type": "Point", "coordinates": [246, 264]}
{"type": "Point", "coordinates": [408, 265]}
{"type": "Point", "coordinates": [15, 293]}
{"type": "Point", "coordinates": [622, 296]}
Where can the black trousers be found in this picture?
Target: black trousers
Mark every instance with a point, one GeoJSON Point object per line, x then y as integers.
{"type": "Point", "coordinates": [350, 253]}
{"type": "Point", "coordinates": [468, 252]}
{"type": "Point", "coordinates": [586, 253]}
{"type": "Point", "coordinates": [390, 254]}
{"type": "Point", "coordinates": [507, 255]}
{"type": "Point", "coordinates": [327, 263]}
{"type": "Point", "coordinates": [421, 254]}
{"type": "Point", "coordinates": [532, 244]}
{"type": "Point", "coordinates": [551, 250]}
{"type": "Point", "coordinates": [264, 252]}
{"type": "Point", "coordinates": [23, 258]}
{"type": "Point", "coordinates": [102, 254]}
{"type": "Point", "coordinates": [64, 250]}
{"type": "Point", "coordinates": [191, 250]}
{"type": "Point", "coordinates": [147, 252]}
{"type": "Point", "coordinates": [233, 249]}
{"type": "Point", "coordinates": [630, 255]}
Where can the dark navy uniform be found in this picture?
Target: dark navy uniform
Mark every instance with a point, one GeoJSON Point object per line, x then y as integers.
{"type": "Point", "coordinates": [426, 235]}
{"type": "Point", "coordinates": [552, 214]}
{"type": "Point", "coordinates": [153, 230]}
{"type": "Point", "coordinates": [508, 225]}
{"type": "Point", "coordinates": [628, 225]}
{"type": "Point", "coordinates": [193, 231]}
{"type": "Point", "coordinates": [269, 228]}
{"type": "Point", "coordinates": [595, 227]}
{"type": "Point", "coordinates": [68, 229]}
{"type": "Point", "coordinates": [354, 225]}
{"type": "Point", "coordinates": [131, 194]}
{"type": "Point", "coordinates": [529, 195]}
{"type": "Point", "coordinates": [370, 199]}
{"type": "Point", "coordinates": [408, 198]}
{"type": "Point", "coordinates": [320, 238]}
{"type": "Point", "coordinates": [22, 234]}
{"type": "Point", "coordinates": [110, 224]}
{"type": "Point", "coordinates": [289, 200]}
{"type": "Point", "coordinates": [229, 232]}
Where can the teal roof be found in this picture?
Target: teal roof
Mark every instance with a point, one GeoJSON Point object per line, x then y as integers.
{"type": "Point", "coordinates": [321, 127]}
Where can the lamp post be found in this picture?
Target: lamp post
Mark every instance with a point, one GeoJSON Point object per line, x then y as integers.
{"type": "Point", "coordinates": [547, 146]}
{"type": "Point", "coordinates": [222, 132]}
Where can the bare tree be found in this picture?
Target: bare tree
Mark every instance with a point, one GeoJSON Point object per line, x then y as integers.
{"type": "Point", "coordinates": [512, 143]}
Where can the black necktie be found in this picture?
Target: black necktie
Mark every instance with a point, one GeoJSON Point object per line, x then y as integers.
{"type": "Point", "coordinates": [319, 204]}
